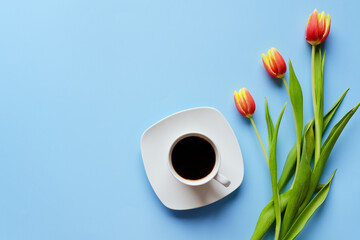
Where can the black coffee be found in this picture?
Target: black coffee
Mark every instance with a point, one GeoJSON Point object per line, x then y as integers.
{"type": "Point", "coordinates": [193, 158]}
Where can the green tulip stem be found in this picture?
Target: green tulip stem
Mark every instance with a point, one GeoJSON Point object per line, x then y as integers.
{"type": "Point", "coordinates": [261, 143]}
{"type": "Point", "coordinates": [286, 85]}
{"type": "Point", "coordinates": [317, 147]}
{"type": "Point", "coordinates": [317, 96]}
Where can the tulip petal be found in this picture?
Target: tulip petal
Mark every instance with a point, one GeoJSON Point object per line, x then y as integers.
{"type": "Point", "coordinates": [249, 102]}
{"type": "Point", "coordinates": [312, 29]}
{"type": "Point", "coordinates": [272, 61]}
{"type": "Point", "coordinates": [321, 19]}
{"type": "Point", "coordinates": [267, 65]}
{"type": "Point", "coordinates": [237, 104]}
{"type": "Point", "coordinates": [243, 102]}
{"type": "Point", "coordinates": [327, 28]}
{"type": "Point", "coordinates": [280, 63]}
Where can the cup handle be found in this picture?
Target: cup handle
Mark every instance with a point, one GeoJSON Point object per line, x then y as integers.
{"type": "Point", "coordinates": [222, 179]}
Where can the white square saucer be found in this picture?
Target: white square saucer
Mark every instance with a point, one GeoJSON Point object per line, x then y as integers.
{"type": "Point", "coordinates": [155, 146]}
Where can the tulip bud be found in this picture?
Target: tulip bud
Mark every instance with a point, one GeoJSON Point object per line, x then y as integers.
{"type": "Point", "coordinates": [274, 63]}
{"type": "Point", "coordinates": [244, 102]}
{"type": "Point", "coordinates": [317, 28]}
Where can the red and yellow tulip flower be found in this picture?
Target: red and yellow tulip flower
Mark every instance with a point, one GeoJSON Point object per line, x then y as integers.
{"type": "Point", "coordinates": [244, 102]}
{"type": "Point", "coordinates": [317, 28]}
{"type": "Point", "coordinates": [274, 63]}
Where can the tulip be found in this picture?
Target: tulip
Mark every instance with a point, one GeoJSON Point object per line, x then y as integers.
{"type": "Point", "coordinates": [317, 28]}
{"type": "Point", "coordinates": [274, 63]}
{"type": "Point", "coordinates": [244, 102]}
{"type": "Point", "coordinates": [246, 106]}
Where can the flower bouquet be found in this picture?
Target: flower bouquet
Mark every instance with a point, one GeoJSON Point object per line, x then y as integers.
{"type": "Point", "coordinates": [291, 209]}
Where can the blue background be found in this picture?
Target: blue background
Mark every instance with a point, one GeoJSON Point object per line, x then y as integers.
{"type": "Point", "coordinates": [81, 80]}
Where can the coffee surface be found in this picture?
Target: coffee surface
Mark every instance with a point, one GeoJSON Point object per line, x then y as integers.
{"type": "Point", "coordinates": [193, 158]}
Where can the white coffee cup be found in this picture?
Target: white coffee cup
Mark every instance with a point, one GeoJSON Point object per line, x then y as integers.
{"type": "Point", "coordinates": [213, 174]}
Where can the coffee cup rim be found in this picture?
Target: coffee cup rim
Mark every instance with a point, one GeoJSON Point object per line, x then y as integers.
{"type": "Point", "coordinates": [205, 179]}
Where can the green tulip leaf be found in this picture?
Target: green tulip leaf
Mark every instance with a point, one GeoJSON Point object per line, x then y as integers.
{"type": "Point", "coordinates": [325, 153]}
{"type": "Point", "coordinates": [289, 167]}
{"type": "Point", "coordinates": [269, 123]}
{"type": "Point", "coordinates": [273, 175]}
{"type": "Point", "coordinates": [306, 214]}
{"type": "Point", "coordinates": [329, 115]}
{"type": "Point", "coordinates": [296, 98]}
{"type": "Point", "coordinates": [323, 63]}
{"type": "Point", "coordinates": [267, 216]}
{"type": "Point", "coordinates": [301, 182]}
